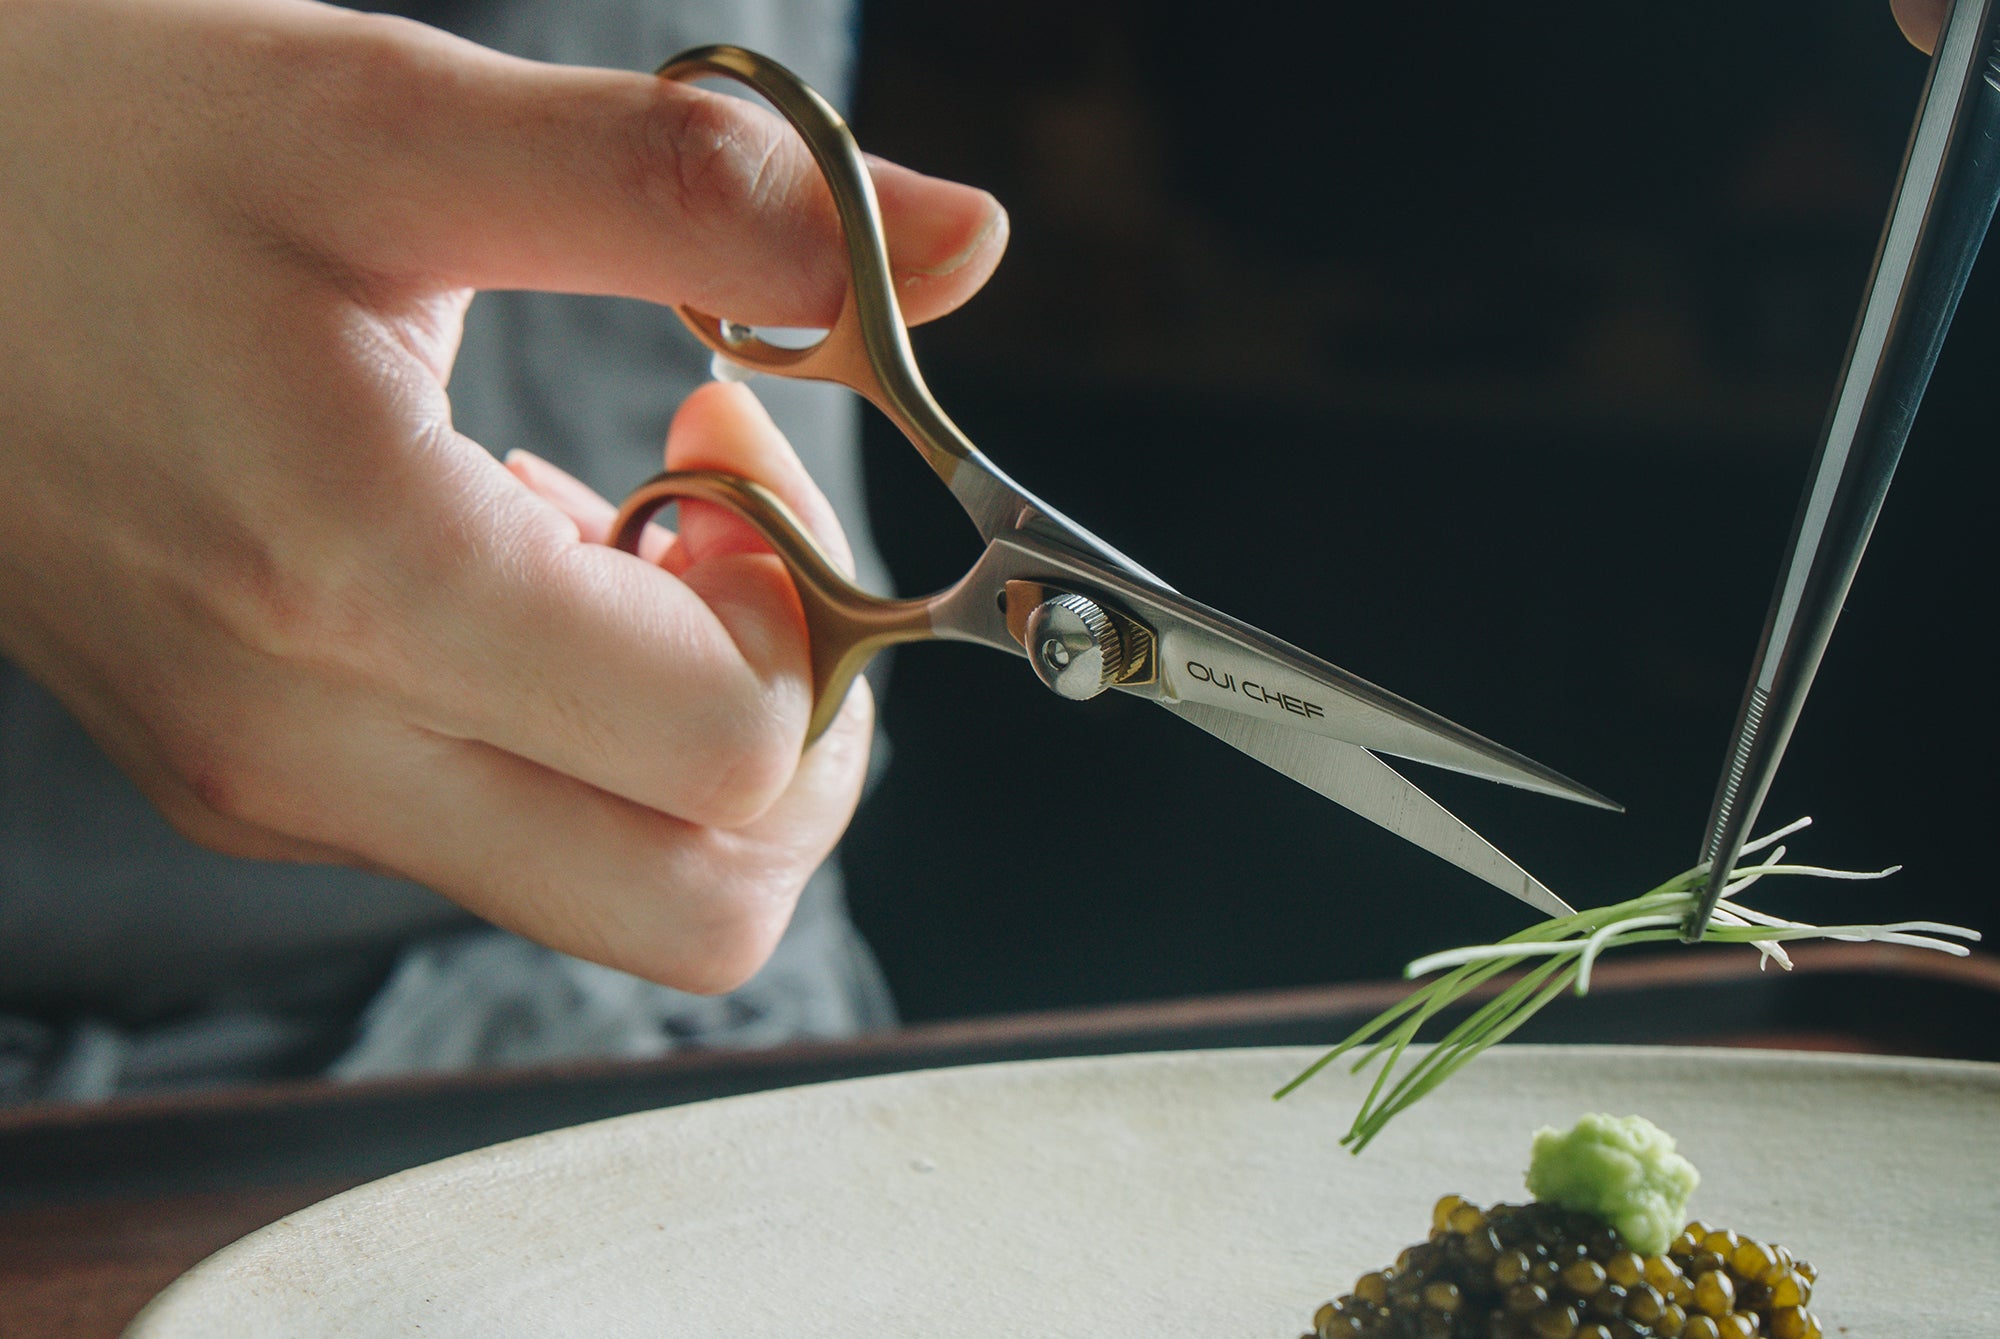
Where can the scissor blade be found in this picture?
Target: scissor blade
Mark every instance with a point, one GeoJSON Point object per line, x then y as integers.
{"type": "Point", "coordinates": [1358, 780]}
{"type": "Point", "coordinates": [1207, 657]}
{"type": "Point", "coordinates": [1204, 656]}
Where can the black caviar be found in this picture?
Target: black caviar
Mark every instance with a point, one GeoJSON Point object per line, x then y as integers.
{"type": "Point", "coordinates": [1533, 1271]}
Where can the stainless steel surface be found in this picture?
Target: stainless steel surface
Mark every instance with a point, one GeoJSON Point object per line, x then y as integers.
{"type": "Point", "coordinates": [1074, 647]}
{"type": "Point", "coordinates": [1304, 716]}
{"type": "Point", "coordinates": [1943, 205]}
{"type": "Point", "coordinates": [1358, 780]}
{"type": "Point", "coordinates": [1207, 656]}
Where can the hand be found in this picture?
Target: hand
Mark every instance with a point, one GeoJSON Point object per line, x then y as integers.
{"type": "Point", "coordinates": [241, 540]}
{"type": "Point", "coordinates": [1920, 20]}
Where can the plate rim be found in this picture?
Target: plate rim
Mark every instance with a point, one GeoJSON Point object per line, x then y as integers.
{"type": "Point", "coordinates": [220, 1263]}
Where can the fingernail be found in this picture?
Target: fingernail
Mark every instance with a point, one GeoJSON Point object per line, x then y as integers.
{"type": "Point", "coordinates": [548, 479]}
{"type": "Point", "coordinates": [526, 465]}
{"type": "Point", "coordinates": [996, 225]}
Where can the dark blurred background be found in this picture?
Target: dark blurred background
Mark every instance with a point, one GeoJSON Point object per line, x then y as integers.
{"type": "Point", "coordinates": [1480, 349]}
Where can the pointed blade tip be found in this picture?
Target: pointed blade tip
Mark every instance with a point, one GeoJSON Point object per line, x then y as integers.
{"type": "Point", "coordinates": [1539, 896]}
{"type": "Point", "coordinates": [1566, 789]}
{"type": "Point", "coordinates": [1600, 801]}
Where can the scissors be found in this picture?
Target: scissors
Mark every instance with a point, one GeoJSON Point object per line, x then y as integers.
{"type": "Point", "coordinates": [1087, 618]}
{"type": "Point", "coordinates": [1943, 204]}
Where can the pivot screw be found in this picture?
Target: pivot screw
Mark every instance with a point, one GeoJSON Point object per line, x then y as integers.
{"type": "Point", "coordinates": [1074, 646]}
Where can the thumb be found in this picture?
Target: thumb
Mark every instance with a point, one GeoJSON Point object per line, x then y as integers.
{"type": "Point", "coordinates": [1920, 20]}
{"type": "Point", "coordinates": [526, 175]}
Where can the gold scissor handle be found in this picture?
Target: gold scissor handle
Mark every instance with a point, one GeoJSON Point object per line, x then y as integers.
{"type": "Point", "coordinates": [868, 348]}
{"type": "Point", "coordinates": [845, 625]}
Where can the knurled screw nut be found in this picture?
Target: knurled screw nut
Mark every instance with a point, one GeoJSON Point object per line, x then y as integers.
{"type": "Point", "coordinates": [1074, 646]}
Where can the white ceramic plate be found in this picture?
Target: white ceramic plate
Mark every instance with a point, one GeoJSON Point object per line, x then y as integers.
{"type": "Point", "coordinates": [1131, 1195]}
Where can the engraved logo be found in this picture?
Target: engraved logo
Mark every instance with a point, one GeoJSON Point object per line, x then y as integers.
{"type": "Point", "coordinates": [1253, 690]}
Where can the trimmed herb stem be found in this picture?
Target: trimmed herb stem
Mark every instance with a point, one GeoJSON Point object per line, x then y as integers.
{"type": "Point", "coordinates": [1563, 951]}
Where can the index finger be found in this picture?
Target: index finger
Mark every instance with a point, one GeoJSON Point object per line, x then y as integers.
{"type": "Point", "coordinates": [567, 179]}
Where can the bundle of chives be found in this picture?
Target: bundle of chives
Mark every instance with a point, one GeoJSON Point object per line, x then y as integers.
{"type": "Point", "coordinates": [1563, 950]}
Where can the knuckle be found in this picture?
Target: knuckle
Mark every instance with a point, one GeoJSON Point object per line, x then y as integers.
{"type": "Point", "coordinates": [305, 615]}
{"type": "Point", "coordinates": [743, 764]}
{"type": "Point", "coordinates": [233, 812]}
{"type": "Point", "coordinates": [700, 910]}
{"type": "Point", "coordinates": [729, 964]}
{"type": "Point", "coordinates": [716, 166]}
{"type": "Point", "coordinates": [705, 932]}
{"type": "Point", "coordinates": [690, 149]}
{"type": "Point", "coordinates": [353, 80]}
{"type": "Point", "coordinates": [734, 943]}
{"type": "Point", "coordinates": [267, 605]}
{"type": "Point", "coordinates": [323, 587]}
{"type": "Point", "coordinates": [236, 775]}
{"type": "Point", "coordinates": [207, 829]}
{"type": "Point", "coordinates": [285, 113]}
{"type": "Point", "coordinates": [191, 811]}
{"type": "Point", "coordinates": [381, 66]}
{"type": "Point", "coordinates": [218, 788]}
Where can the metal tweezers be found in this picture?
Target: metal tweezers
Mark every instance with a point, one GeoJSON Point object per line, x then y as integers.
{"type": "Point", "coordinates": [1944, 202]}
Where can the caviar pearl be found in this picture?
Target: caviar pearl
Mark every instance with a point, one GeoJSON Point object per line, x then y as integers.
{"type": "Point", "coordinates": [1535, 1272]}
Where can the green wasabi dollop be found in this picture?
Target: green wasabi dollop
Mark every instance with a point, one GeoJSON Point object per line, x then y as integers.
{"type": "Point", "coordinates": [1621, 1169]}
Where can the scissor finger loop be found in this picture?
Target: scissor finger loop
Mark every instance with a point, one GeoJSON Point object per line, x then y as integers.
{"type": "Point", "coordinates": [840, 356]}
{"type": "Point", "coordinates": [845, 625]}
{"type": "Point", "coordinates": [868, 348]}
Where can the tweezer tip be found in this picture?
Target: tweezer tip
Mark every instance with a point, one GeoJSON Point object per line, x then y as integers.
{"type": "Point", "coordinates": [1712, 885]}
